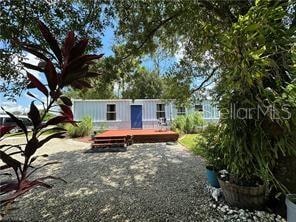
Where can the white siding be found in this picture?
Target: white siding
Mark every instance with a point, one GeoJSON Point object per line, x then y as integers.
{"type": "Point", "coordinates": [210, 111]}
{"type": "Point", "coordinates": [149, 114]}
{"type": "Point", "coordinates": [97, 110]}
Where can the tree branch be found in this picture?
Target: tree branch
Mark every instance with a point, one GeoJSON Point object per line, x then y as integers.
{"type": "Point", "coordinates": [223, 13]}
{"type": "Point", "coordinates": [153, 31]}
{"type": "Point", "coordinates": [205, 81]}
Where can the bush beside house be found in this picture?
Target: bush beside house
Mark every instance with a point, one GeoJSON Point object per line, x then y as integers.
{"type": "Point", "coordinates": [188, 124]}
{"type": "Point", "coordinates": [82, 129]}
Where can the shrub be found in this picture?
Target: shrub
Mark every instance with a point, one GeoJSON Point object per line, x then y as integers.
{"type": "Point", "coordinates": [81, 129]}
{"type": "Point", "coordinates": [197, 118]}
{"type": "Point", "coordinates": [178, 124]}
{"type": "Point", "coordinates": [210, 146]}
{"type": "Point", "coordinates": [188, 124]}
{"type": "Point", "coordinates": [198, 148]}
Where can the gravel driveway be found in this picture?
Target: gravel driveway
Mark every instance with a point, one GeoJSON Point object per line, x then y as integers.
{"type": "Point", "coordinates": [148, 182]}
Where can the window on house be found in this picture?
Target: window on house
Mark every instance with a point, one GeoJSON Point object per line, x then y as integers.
{"type": "Point", "coordinates": [160, 111]}
{"type": "Point", "coordinates": [198, 108]}
{"type": "Point", "coordinates": [181, 111]}
{"type": "Point", "coordinates": [111, 112]}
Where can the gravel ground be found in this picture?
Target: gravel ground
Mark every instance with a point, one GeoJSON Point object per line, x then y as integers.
{"type": "Point", "coordinates": [52, 147]}
{"type": "Point", "coordinates": [148, 182]}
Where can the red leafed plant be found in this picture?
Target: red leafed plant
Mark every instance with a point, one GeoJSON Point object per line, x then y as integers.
{"type": "Point", "coordinates": [63, 66]}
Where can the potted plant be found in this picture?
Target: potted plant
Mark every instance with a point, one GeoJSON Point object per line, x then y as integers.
{"type": "Point", "coordinates": [291, 207]}
{"type": "Point", "coordinates": [211, 151]}
{"type": "Point", "coordinates": [242, 193]}
{"type": "Point", "coordinates": [244, 185]}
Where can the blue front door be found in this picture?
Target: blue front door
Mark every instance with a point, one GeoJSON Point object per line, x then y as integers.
{"type": "Point", "coordinates": [136, 116]}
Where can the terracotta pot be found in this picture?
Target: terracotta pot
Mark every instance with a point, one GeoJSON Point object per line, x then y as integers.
{"type": "Point", "coordinates": [243, 196]}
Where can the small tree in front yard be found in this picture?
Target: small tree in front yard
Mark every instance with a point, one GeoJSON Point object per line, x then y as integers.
{"type": "Point", "coordinates": [63, 66]}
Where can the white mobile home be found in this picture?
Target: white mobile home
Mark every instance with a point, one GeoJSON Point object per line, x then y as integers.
{"type": "Point", "coordinates": [136, 114]}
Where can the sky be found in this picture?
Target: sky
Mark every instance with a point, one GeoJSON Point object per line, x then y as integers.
{"type": "Point", "coordinates": [22, 103]}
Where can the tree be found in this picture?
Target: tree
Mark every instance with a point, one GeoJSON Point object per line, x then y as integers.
{"type": "Point", "coordinates": [198, 26]}
{"type": "Point", "coordinates": [116, 73]}
{"type": "Point", "coordinates": [123, 78]}
{"type": "Point", "coordinates": [186, 82]}
{"type": "Point", "coordinates": [144, 85]}
{"type": "Point", "coordinates": [138, 82]}
{"type": "Point", "coordinates": [89, 18]}
{"type": "Point", "coordinates": [99, 90]}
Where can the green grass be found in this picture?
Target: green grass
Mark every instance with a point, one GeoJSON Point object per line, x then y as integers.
{"type": "Point", "coordinates": [192, 142]}
{"type": "Point", "coordinates": [188, 140]}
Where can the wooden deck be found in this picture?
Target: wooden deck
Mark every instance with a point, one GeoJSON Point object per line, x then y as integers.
{"type": "Point", "coordinates": [127, 137]}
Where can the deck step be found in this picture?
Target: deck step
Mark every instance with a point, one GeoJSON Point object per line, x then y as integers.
{"type": "Point", "coordinates": [100, 140]}
{"type": "Point", "coordinates": [107, 144]}
{"type": "Point", "coordinates": [109, 137]}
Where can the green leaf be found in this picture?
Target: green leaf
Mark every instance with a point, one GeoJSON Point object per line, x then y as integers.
{"type": "Point", "coordinates": [256, 54]}
{"type": "Point", "coordinates": [252, 27]}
